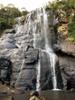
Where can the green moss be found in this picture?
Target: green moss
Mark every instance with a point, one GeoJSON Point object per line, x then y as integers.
{"type": "Point", "coordinates": [72, 29]}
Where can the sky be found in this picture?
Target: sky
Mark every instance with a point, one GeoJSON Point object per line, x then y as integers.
{"type": "Point", "coordinates": [28, 4]}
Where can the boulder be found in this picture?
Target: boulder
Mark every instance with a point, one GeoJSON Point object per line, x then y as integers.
{"type": "Point", "coordinates": [31, 55]}
{"type": "Point", "coordinates": [71, 84]}
{"type": "Point", "coordinates": [5, 70]}
{"type": "Point", "coordinates": [67, 66]}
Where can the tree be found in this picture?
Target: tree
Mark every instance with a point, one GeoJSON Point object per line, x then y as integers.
{"type": "Point", "coordinates": [8, 14]}
{"type": "Point", "coordinates": [24, 11]}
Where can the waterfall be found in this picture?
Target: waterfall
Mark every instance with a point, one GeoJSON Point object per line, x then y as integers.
{"type": "Point", "coordinates": [38, 72]}
{"type": "Point", "coordinates": [38, 88]}
{"type": "Point", "coordinates": [42, 14]}
{"type": "Point", "coordinates": [34, 33]}
{"type": "Point", "coordinates": [38, 67]}
{"type": "Point", "coordinates": [49, 50]}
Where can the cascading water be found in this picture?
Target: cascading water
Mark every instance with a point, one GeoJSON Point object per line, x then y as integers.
{"type": "Point", "coordinates": [38, 88]}
{"type": "Point", "coordinates": [35, 65]}
{"type": "Point", "coordinates": [49, 50]}
{"type": "Point", "coordinates": [34, 37]}
{"type": "Point", "coordinates": [38, 67]}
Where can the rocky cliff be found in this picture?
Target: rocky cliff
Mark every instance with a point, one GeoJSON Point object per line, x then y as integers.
{"type": "Point", "coordinates": [65, 49]}
{"type": "Point", "coordinates": [33, 44]}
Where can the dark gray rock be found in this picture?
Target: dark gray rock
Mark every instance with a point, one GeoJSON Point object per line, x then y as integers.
{"type": "Point", "coordinates": [5, 70]}
{"type": "Point", "coordinates": [31, 55]}
{"type": "Point", "coordinates": [46, 77]}
{"type": "Point", "coordinates": [67, 66]}
{"type": "Point", "coordinates": [56, 48]}
{"type": "Point", "coordinates": [71, 83]}
{"type": "Point", "coordinates": [25, 79]}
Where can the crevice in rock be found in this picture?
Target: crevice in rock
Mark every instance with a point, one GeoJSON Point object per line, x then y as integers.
{"type": "Point", "coordinates": [62, 53]}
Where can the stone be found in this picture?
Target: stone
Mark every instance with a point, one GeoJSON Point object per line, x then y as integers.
{"type": "Point", "coordinates": [71, 84]}
{"type": "Point", "coordinates": [56, 47]}
{"type": "Point", "coordinates": [31, 55]}
{"type": "Point", "coordinates": [67, 67]}
{"type": "Point", "coordinates": [24, 80]}
{"type": "Point", "coordinates": [5, 70]}
{"type": "Point", "coordinates": [9, 42]}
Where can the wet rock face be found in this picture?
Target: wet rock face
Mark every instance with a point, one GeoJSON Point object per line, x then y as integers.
{"type": "Point", "coordinates": [5, 70]}
{"type": "Point", "coordinates": [33, 38]}
{"type": "Point", "coordinates": [65, 50]}
{"type": "Point", "coordinates": [46, 76]}
{"type": "Point", "coordinates": [67, 66]}
{"type": "Point", "coordinates": [31, 55]}
{"type": "Point", "coordinates": [25, 80]}
{"type": "Point", "coordinates": [71, 84]}
{"type": "Point", "coordinates": [27, 76]}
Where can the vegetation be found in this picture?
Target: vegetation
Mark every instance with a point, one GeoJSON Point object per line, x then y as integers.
{"type": "Point", "coordinates": [8, 14]}
{"type": "Point", "coordinates": [65, 11]}
{"type": "Point", "coordinates": [72, 29]}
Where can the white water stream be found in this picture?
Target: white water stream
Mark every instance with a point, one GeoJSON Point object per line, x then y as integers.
{"type": "Point", "coordinates": [49, 50]}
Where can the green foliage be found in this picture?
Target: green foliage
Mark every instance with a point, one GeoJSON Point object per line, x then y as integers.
{"type": "Point", "coordinates": [55, 5]}
{"type": "Point", "coordinates": [69, 4]}
{"type": "Point", "coordinates": [24, 13]}
{"type": "Point", "coordinates": [63, 4]}
{"type": "Point", "coordinates": [72, 28]}
{"type": "Point", "coordinates": [3, 23]}
{"type": "Point", "coordinates": [8, 14]}
{"type": "Point", "coordinates": [67, 9]}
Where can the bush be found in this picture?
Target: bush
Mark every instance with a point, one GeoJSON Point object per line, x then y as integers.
{"type": "Point", "coordinates": [7, 16]}
{"type": "Point", "coordinates": [3, 23]}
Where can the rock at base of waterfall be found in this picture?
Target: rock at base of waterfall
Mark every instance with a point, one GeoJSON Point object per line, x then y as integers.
{"type": "Point", "coordinates": [5, 70]}
{"type": "Point", "coordinates": [31, 55]}
{"type": "Point", "coordinates": [67, 67]}
{"type": "Point", "coordinates": [71, 83]}
{"type": "Point", "coordinates": [25, 79]}
{"type": "Point", "coordinates": [56, 48]}
{"type": "Point", "coordinates": [46, 77]}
